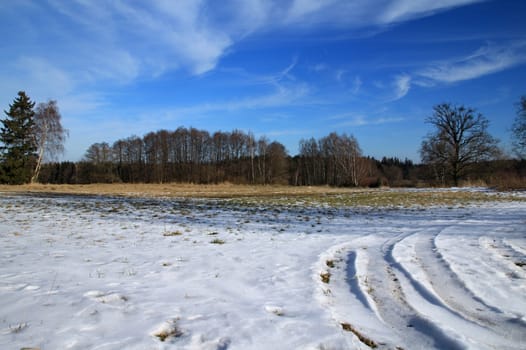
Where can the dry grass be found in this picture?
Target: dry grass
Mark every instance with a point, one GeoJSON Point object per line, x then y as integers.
{"type": "Point", "coordinates": [175, 190]}
{"type": "Point", "coordinates": [274, 195]}
{"type": "Point", "coordinates": [369, 342]}
{"type": "Point", "coordinates": [325, 277]}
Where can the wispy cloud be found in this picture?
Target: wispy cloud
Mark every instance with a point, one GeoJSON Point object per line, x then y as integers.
{"type": "Point", "coordinates": [486, 60]}
{"type": "Point", "coordinates": [319, 67]}
{"type": "Point", "coordinates": [356, 85]}
{"type": "Point", "coordinates": [123, 41]}
{"type": "Point", "coordinates": [356, 119]}
{"type": "Point", "coordinates": [43, 76]}
{"type": "Point", "coordinates": [403, 10]}
{"type": "Point", "coordinates": [364, 13]}
{"type": "Point", "coordinates": [402, 85]}
{"type": "Point", "coordinates": [282, 96]}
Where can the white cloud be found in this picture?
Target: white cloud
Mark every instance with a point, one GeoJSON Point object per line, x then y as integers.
{"type": "Point", "coordinates": [487, 60]}
{"type": "Point", "coordinates": [42, 79]}
{"type": "Point", "coordinates": [319, 67]}
{"type": "Point", "coordinates": [282, 96]}
{"type": "Point", "coordinates": [402, 85]}
{"type": "Point", "coordinates": [150, 38]}
{"type": "Point", "coordinates": [364, 13]}
{"type": "Point", "coordinates": [356, 119]}
{"type": "Point", "coordinates": [403, 10]}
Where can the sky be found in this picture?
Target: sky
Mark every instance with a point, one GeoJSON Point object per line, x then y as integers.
{"type": "Point", "coordinates": [284, 69]}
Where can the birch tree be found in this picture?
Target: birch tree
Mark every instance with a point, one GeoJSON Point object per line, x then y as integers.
{"type": "Point", "coordinates": [48, 133]}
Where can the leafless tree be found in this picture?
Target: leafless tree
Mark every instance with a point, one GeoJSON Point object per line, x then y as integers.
{"type": "Point", "coordinates": [460, 139]}
{"type": "Point", "coordinates": [347, 154]}
{"type": "Point", "coordinates": [276, 157]}
{"type": "Point", "coordinates": [48, 133]}
{"type": "Point", "coordinates": [99, 153]}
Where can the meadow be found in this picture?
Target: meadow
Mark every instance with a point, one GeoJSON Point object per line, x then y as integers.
{"type": "Point", "coordinates": [255, 267]}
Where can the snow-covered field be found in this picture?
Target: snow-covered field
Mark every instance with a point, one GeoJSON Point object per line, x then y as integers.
{"type": "Point", "coordinates": [115, 273]}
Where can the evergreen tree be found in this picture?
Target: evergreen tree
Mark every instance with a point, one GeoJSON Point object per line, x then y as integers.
{"type": "Point", "coordinates": [17, 149]}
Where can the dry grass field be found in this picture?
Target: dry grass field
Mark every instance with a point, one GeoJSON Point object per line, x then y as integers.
{"type": "Point", "coordinates": [176, 190]}
{"type": "Point", "coordinates": [285, 195]}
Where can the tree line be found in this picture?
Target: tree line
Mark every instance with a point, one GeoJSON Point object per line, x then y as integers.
{"type": "Point", "coordinates": [459, 148]}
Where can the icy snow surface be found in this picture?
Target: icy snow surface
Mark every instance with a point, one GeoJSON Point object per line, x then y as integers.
{"type": "Point", "coordinates": [115, 273]}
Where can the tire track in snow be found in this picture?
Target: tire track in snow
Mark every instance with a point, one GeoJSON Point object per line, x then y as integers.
{"type": "Point", "coordinates": [515, 246]}
{"type": "Point", "coordinates": [468, 311]}
{"type": "Point", "coordinates": [398, 309]}
{"type": "Point", "coordinates": [489, 275]}
{"type": "Point", "coordinates": [505, 255]}
{"type": "Point", "coordinates": [368, 294]}
{"type": "Point", "coordinates": [420, 300]}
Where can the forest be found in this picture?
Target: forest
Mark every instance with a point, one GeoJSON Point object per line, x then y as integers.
{"type": "Point", "coordinates": [195, 156]}
{"type": "Point", "coordinates": [460, 151]}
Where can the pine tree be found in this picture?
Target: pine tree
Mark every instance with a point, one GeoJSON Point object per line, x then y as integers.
{"type": "Point", "coordinates": [17, 149]}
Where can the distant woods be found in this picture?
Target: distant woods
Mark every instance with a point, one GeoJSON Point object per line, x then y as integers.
{"type": "Point", "coordinates": [187, 155]}
{"type": "Point", "coordinates": [195, 156]}
{"type": "Point", "coordinates": [459, 150]}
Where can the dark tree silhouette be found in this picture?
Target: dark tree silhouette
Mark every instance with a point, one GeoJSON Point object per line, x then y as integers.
{"type": "Point", "coordinates": [17, 149]}
{"type": "Point", "coordinates": [459, 140]}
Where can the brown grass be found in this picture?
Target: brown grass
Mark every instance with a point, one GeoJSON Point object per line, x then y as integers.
{"type": "Point", "coordinates": [175, 190]}
{"type": "Point", "coordinates": [274, 195]}
{"type": "Point", "coordinates": [325, 277]}
{"type": "Point", "coordinates": [349, 328]}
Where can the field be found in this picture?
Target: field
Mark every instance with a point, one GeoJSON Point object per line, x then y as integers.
{"type": "Point", "coordinates": [243, 267]}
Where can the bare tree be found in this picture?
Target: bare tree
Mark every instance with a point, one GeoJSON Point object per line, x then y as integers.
{"type": "Point", "coordinates": [459, 140]}
{"type": "Point", "coordinates": [347, 154]}
{"type": "Point", "coordinates": [519, 129]}
{"type": "Point", "coordinates": [276, 156]}
{"type": "Point", "coordinates": [48, 133]}
{"type": "Point", "coordinates": [99, 153]}
{"type": "Point", "coordinates": [310, 160]}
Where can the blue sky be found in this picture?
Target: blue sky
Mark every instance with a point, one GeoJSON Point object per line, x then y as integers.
{"type": "Point", "coordinates": [287, 69]}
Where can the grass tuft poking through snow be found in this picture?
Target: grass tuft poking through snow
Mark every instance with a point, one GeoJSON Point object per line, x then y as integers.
{"type": "Point", "coordinates": [168, 330]}
{"type": "Point", "coordinates": [326, 277]}
{"type": "Point", "coordinates": [172, 233]}
{"type": "Point", "coordinates": [370, 343]}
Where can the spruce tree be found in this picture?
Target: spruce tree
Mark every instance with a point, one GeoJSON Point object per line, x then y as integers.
{"type": "Point", "coordinates": [17, 148]}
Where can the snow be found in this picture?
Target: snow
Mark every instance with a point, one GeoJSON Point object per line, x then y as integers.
{"type": "Point", "coordinates": [129, 273]}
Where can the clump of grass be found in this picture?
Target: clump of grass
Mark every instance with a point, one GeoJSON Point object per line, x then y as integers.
{"type": "Point", "coordinates": [172, 233]}
{"type": "Point", "coordinates": [349, 328]}
{"type": "Point", "coordinates": [330, 263]}
{"type": "Point", "coordinates": [217, 241]}
{"type": "Point", "coordinates": [172, 332]}
{"type": "Point", "coordinates": [325, 277]}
